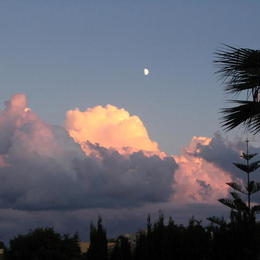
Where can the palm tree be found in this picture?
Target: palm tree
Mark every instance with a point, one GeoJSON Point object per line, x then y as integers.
{"type": "Point", "coordinates": [239, 68]}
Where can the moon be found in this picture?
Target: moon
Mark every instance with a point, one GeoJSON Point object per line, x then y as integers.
{"type": "Point", "coordinates": [146, 71]}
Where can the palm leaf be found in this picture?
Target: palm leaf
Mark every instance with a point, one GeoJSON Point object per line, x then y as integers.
{"type": "Point", "coordinates": [239, 67]}
{"type": "Point", "coordinates": [246, 113]}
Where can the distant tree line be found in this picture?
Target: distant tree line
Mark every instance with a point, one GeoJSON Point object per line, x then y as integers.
{"type": "Point", "coordinates": [162, 239]}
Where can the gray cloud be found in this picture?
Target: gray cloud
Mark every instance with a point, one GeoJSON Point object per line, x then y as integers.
{"type": "Point", "coordinates": [43, 168]}
{"type": "Point", "coordinates": [223, 153]}
{"type": "Point", "coordinates": [47, 180]}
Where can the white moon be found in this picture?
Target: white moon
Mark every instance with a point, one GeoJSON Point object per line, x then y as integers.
{"type": "Point", "coordinates": [146, 71]}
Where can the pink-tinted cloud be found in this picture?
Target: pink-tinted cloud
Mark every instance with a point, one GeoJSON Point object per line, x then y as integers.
{"type": "Point", "coordinates": [45, 167]}
{"type": "Point", "coordinates": [196, 179]}
{"type": "Point", "coordinates": [110, 127]}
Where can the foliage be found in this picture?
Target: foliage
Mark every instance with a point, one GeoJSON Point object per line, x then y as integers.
{"type": "Point", "coordinates": [240, 70]}
{"type": "Point", "coordinates": [238, 206]}
{"type": "Point", "coordinates": [170, 241]}
{"type": "Point", "coordinates": [44, 243]}
{"type": "Point", "coordinates": [239, 238]}
{"type": "Point", "coordinates": [98, 242]}
{"type": "Point", "coordinates": [122, 249]}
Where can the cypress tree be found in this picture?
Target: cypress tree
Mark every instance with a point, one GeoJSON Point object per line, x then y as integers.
{"type": "Point", "coordinates": [98, 242]}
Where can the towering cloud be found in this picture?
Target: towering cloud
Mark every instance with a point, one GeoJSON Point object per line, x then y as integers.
{"type": "Point", "coordinates": [102, 160]}
{"type": "Point", "coordinates": [43, 168]}
{"type": "Point", "coordinates": [198, 180]}
{"type": "Point", "coordinates": [109, 126]}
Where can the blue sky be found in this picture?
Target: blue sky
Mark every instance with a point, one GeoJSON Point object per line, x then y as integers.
{"type": "Point", "coordinates": [67, 54]}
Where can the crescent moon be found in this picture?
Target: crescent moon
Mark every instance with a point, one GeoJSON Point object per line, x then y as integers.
{"type": "Point", "coordinates": [146, 71]}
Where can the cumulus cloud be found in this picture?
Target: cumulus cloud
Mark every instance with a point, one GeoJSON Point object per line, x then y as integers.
{"type": "Point", "coordinates": [102, 162]}
{"type": "Point", "coordinates": [198, 180]}
{"type": "Point", "coordinates": [43, 168]}
{"type": "Point", "coordinates": [109, 126]}
{"type": "Point", "coordinates": [222, 153]}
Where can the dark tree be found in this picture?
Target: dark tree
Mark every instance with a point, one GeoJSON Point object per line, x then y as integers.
{"type": "Point", "coordinates": [43, 244]}
{"type": "Point", "coordinates": [169, 241]}
{"type": "Point", "coordinates": [98, 242]}
{"type": "Point", "coordinates": [122, 249]}
{"type": "Point", "coordinates": [240, 70]}
{"type": "Point", "coordinates": [241, 233]}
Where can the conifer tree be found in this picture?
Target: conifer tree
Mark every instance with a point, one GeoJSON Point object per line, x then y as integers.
{"type": "Point", "coordinates": [240, 234]}
{"type": "Point", "coordinates": [98, 242]}
{"type": "Point", "coordinates": [240, 209]}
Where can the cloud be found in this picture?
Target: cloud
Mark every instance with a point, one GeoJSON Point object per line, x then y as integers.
{"type": "Point", "coordinates": [102, 162]}
{"type": "Point", "coordinates": [198, 180]}
{"type": "Point", "coordinates": [43, 168]}
{"type": "Point", "coordinates": [222, 153]}
{"type": "Point", "coordinates": [109, 126]}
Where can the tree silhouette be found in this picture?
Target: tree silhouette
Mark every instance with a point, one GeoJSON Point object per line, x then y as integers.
{"type": "Point", "coordinates": [240, 70]}
{"type": "Point", "coordinates": [42, 244]}
{"type": "Point", "coordinates": [122, 249]}
{"type": "Point", "coordinates": [241, 233]}
{"type": "Point", "coordinates": [98, 242]}
{"type": "Point", "coordinates": [240, 208]}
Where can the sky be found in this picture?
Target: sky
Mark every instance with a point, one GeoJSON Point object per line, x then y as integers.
{"type": "Point", "coordinates": [79, 115]}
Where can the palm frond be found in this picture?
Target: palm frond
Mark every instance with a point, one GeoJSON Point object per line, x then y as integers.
{"type": "Point", "coordinates": [239, 67]}
{"type": "Point", "coordinates": [246, 113]}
